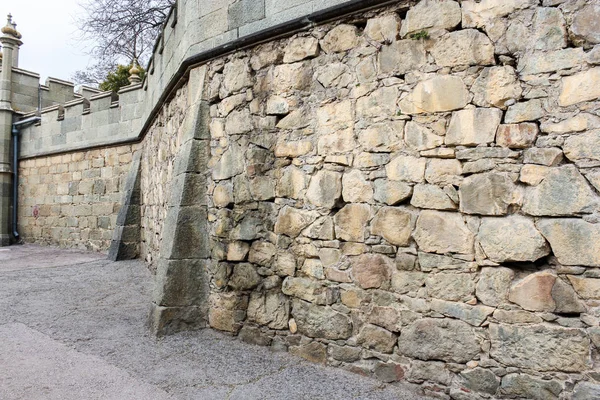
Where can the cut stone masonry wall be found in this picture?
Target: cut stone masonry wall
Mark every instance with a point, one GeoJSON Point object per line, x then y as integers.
{"type": "Point", "coordinates": [412, 208]}
{"type": "Point", "coordinates": [72, 200]}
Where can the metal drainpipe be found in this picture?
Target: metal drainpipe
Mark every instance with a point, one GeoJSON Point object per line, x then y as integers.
{"type": "Point", "coordinates": [15, 136]}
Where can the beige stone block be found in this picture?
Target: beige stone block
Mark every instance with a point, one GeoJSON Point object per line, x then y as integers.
{"type": "Point", "coordinates": [394, 225]}
{"type": "Point", "coordinates": [406, 168]}
{"type": "Point", "coordinates": [583, 86]}
{"type": "Point", "coordinates": [351, 222]}
{"type": "Point", "coordinates": [341, 38]}
{"type": "Point", "coordinates": [443, 232]}
{"type": "Point", "coordinates": [431, 14]}
{"type": "Point", "coordinates": [517, 136]}
{"type": "Point", "coordinates": [464, 47]}
{"type": "Point", "coordinates": [437, 94]}
{"type": "Point", "coordinates": [300, 48]}
{"type": "Point", "coordinates": [473, 126]}
{"type": "Point", "coordinates": [384, 28]}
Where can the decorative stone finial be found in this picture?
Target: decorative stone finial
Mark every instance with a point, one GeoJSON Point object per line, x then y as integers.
{"type": "Point", "coordinates": [10, 28]}
{"type": "Point", "coordinates": [134, 76]}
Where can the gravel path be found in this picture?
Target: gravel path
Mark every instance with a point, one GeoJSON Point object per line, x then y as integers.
{"type": "Point", "coordinates": [72, 326]}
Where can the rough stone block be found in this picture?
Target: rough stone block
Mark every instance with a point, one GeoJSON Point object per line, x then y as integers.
{"type": "Point", "coordinates": [439, 339]}
{"type": "Point", "coordinates": [540, 347]}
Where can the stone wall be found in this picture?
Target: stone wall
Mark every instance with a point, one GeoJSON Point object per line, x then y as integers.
{"type": "Point", "coordinates": [414, 196]}
{"type": "Point", "coordinates": [72, 200]}
{"type": "Point", "coordinates": [159, 148]}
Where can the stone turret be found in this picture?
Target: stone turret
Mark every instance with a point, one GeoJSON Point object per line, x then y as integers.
{"type": "Point", "coordinates": [10, 40]}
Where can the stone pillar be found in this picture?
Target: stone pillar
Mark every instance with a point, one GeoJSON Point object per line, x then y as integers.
{"type": "Point", "coordinates": [181, 293]}
{"type": "Point", "coordinates": [10, 44]}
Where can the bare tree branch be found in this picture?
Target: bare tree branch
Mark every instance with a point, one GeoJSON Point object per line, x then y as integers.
{"type": "Point", "coordinates": [121, 30]}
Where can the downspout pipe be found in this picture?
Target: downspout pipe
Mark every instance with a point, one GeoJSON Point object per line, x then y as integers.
{"type": "Point", "coordinates": [16, 128]}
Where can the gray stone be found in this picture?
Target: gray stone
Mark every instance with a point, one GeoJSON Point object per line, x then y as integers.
{"type": "Point", "coordinates": [573, 241]}
{"type": "Point", "coordinates": [320, 322]}
{"type": "Point", "coordinates": [429, 262]}
{"type": "Point", "coordinates": [531, 387]}
{"type": "Point", "coordinates": [402, 56]}
{"type": "Point", "coordinates": [549, 156]}
{"type": "Point", "coordinates": [344, 353]}
{"type": "Point", "coordinates": [450, 286]}
{"type": "Point", "coordinates": [185, 234]}
{"type": "Point", "coordinates": [540, 347]}
{"type": "Point", "coordinates": [439, 339]}
{"type": "Point", "coordinates": [516, 317]}
{"type": "Point", "coordinates": [480, 153]}
{"type": "Point", "coordinates": [389, 372]}
{"type": "Point", "coordinates": [565, 298]}
{"type": "Point", "coordinates": [488, 194]}
{"type": "Point", "coordinates": [309, 290]}
{"type": "Point", "coordinates": [325, 188]}
{"type": "Point", "coordinates": [230, 163]}
{"type": "Point", "coordinates": [586, 390]}
{"type": "Point", "coordinates": [473, 315]}
{"type": "Point", "coordinates": [270, 308]}
{"type": "Point", "coordinates": [584, 28]}
{"type": "Point", "coordinates": [498, 238]}
{"type": "Point", "coordinates": [443, 232]}
{"type": "Point", "coordinates": [583, 147]}
{"type": "Point", "coordinates": [531, 110]}
{"type": "Point", "coordinates": [244, 12]}
{"type": "Point", "coordinates": [480, 380]}
{"type": "Point", "coordinates": [408, 281]}
{"type": "Point", "coordinates": [493, 285]}
{"type": "Point", "coordinates": [375, 338]}
{"type": "Point", "coordinates": [244, 277]}
{"type": "Point", "coordinates": [434, 371]}
{"type": "Point", "coordinates": [473, 126]}
{"type": "Point", "coordinates": [253, 335]}
{"type": "Point", "coordinates": [543, 62]}
{"type": "Point", "coordinates": [564, 191]}
{"type": "Point", "coordinates": [315, 352]}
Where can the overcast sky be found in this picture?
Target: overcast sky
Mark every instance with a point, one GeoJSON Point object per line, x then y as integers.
{"type": "Point", "coordinates": [50, 45]}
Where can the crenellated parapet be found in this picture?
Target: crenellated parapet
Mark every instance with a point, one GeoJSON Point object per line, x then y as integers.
{"type": "Point", "coordinates": [88, 120]}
